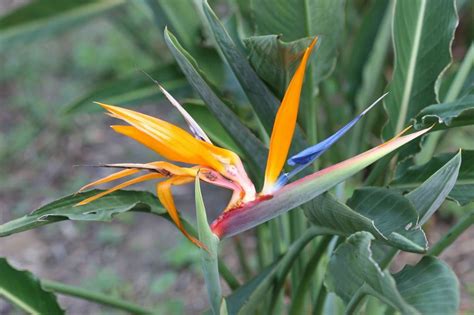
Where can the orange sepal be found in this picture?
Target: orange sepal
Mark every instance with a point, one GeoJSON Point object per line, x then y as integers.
{"type": "Point", "coordinates": [163, 137]}
{"type": "Point", "coordinates": [285, 123]}
{"type": "Point", "coordinates": [120, 186]}
{"type": "Point", "coordinates": [110, 178]}
{"type": "Point", "coordinates": [163, 190]}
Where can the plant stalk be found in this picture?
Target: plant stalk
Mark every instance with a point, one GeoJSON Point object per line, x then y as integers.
{"type": "Point", "coordinates": [355, 302]}
{"type": "Point", "coordinates": [209, 256]}
{"type": "Point", "coordinates": [464, 223]}
{"type": "Point", "coordinates": [97, 297]}
{"type": "Point", "coordinates": [242, 259]}
{"type": "Point", "coordinates": [297, 305]}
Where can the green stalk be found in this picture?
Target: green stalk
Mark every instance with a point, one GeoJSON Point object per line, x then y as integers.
{"type": "Point", "coordinates": [228, 276]}
{"type": "Point", "coordinates": [464, 223]}
{"type": "Point", "coordinates": [97, 297]}
{"type": "Point", "coordinates": [355, 303]}
{"type": "Point", "coordinates": [242, 259]}
{"type": "Point", "coordinates": [276, 237]}
{"type": "Point", "coordinates": [225, 272]}
{"type": "Point", "coordinates": [287, 261]}
{"type": "Point", "coordinates": [209, 257]}
{"type": "Point", "coordinates": [379, 170]}
{"type": "Point", "coordinates": [311, 267]}
{"type": "Point", "coordinates": [296, 226]}
{"type": "Point", "coordinates": [320, 301]}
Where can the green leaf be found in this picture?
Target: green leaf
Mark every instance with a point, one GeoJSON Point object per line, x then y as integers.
{"type": "Point", "coordinates": [103, 209]}
{"type": "Point", "coordinates": [463, 190]}
{"type": "Point", "coordinates": [430, 286]}
{"type": "Point", "coordinates": [209, 255]}
{"type": "Point", "coordinates": [387, 215]}
{"type": "Point", "coordinates": [448, 115]}
{"type": "Point", "coordinates": [393, 214]}
{"type": "Point", "coordinates": [199, 111]}
{"type": "Point", "coordinates": [368, 42]}
{"type": "Point", "coordinates": [422, 35]}
{"type": "Point", "coordinates": [429, 196]}
{"type": "Point", "coordinates": [301, 191]}
{"type": "Point", "coordinates": [248, 295]}
{"type": "Point", "coordinates": [275, 60]}
{"type": "Point", "coordinates": [23, 289]}
{"type": "Point", "coordinates": [196, 78]}
{"type": "Point", "coordinates": [42, 18]}
{"type": "Point", "coordinates": [184, 20]}
{"type": "Point", "coordinates": [298, 19]}
{"type": "Point", "coordinates": [263, 101]}
{"type": "Point", "coordinates": [464, 77]}
{"type": "Point", "coordinates": [352, 270]}
{"type": "Point", "coordinates": [372, 81]}
{"type": "Point", "coordinates": [132, 89]}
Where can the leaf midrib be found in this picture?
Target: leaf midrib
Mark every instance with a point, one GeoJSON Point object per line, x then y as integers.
{"type": "Point", "coordinates": [459, 182]}
{"type": "Point", "coordinates": [411, 69]}
{"type": "Point", "coordinates": [15, 300]}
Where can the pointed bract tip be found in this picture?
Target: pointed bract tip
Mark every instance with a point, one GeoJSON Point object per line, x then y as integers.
{"type": "Point", "coordinates": [377, 101]}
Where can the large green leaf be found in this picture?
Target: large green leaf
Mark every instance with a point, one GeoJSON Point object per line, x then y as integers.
{"type": "Point", "coordinates": [429, 287]}
{"type": "Point", "coordinates": [132, 89]}
{"type": "Point", "coordinates": [41, 18]}
{"type": "Point", "coordinates": [372, 81]}
{"type": "Point", "coordinates": [367, 45]}
{"type": "Point", "coordinates": [296, 19]}
{"type": "Point", "coordinates": [23, 289]}
{"type": "Point", "coordinates": [183, 18]}
{"type": "Point", "coordinates": [301, 191]}
{"type": "Point", "coordinates": [264, 102]}
{"type": "Point", "coordinates": [393, 214]}
{"type": "Point", "coordinates": [275, 60]}
{"type": "Point", "coordinates": [463, 190]}
{"type": "Point", "coordinates": [451, 114]}
{"type": "Point", "coordinates": [384, 213]}
{"type": "Point", "coordinates": [352, 270]}
{"type": "Point", "coordinates": [463, 78]}
{"type": "Point", "coordinates": [103, 209]}
{"type": "Point", "coordinates": [196, 78]}
{"type": "Point", "coordinates": [429, 196]}
{"type": "Point", "coordinates": [422, 34]}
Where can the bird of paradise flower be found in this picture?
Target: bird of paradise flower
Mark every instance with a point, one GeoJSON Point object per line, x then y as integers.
{"type": "Point", "coordinates": [222, 167]}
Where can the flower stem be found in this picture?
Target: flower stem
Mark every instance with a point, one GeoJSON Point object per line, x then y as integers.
{"type": "Point", "coordinates": [97, 297]}
{"type": "Point", "coordinates": [239, 248]}
{"type": "Point", "coordinates": [209, 257]}
{"type": "Point", "coordinates": [228, 276]}
{"type": "Point", "coordinates": [297, 306]}
{"type": "Point", "coordinates": [355, 302]}
{"type": "Point", "coordinates": [464, 223]}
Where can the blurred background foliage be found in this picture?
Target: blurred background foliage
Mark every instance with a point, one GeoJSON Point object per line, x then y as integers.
{"type": "Point", "coordinates": [71, 53]}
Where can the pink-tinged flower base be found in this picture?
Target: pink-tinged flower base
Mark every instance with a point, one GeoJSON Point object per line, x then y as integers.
{"type": "Point", "coordinates": [238, 218]}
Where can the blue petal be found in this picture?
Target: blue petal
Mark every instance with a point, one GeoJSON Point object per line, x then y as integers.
{"type": "Point", "coordinates": [307, 156]}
